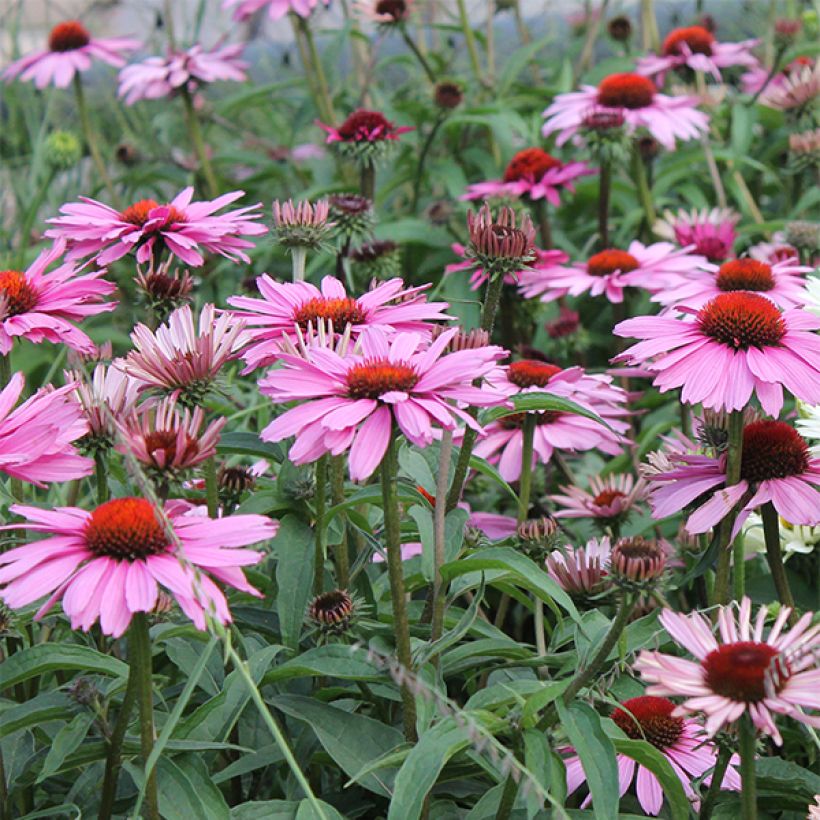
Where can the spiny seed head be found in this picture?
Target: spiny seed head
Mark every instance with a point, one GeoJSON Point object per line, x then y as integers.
{"type": "Point", "coordinates": [741, 320]}
{"type": "Point", "coordinates": [352, 216]}
{"type": "Point", "coordinates": [332, 612]}
{"type": "Point", "coordinates": [448, 95]}
{"type": "Point", "coordinates": [649, 718]}
{"type": "Point", "coordinates": [68, 36]}
{"type": "Point", "coordinates": [498, 244]}
{"type": "Point", "coordinates": [620, 28]}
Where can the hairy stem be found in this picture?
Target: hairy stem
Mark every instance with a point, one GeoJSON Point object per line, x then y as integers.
{"type": "Point", "coordinates": [604, 186]}
{"type": "Point", "coordinates": [139, 647]}
{"type": "Point", "coordinates": [367, 180]}
{"type": "Point", "coordinates": [540, 210]}
{"type": "Point", "coordinates": [101, 476]}
{"type": "Point", "coordinates": [198, 143]}
{"type": "Point", "coordinates": [746, 749]}
{"type": "Point", "coordinates": [112, 760]}
{"type": "Point", "coordinates": [774, 555]}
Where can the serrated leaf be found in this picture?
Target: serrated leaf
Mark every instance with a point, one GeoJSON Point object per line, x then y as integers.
{"type": "Point", "coordinates": [294, 575]}
{"type": "Point", "coordinates": [43, 658]}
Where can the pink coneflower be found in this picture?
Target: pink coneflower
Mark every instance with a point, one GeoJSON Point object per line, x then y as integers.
{"type": "Point", "coordinates": [41, 306]}
{"type": "Point", "coordinates": [711, 232]}
{"type": "Point", "coordinates": [782, 282]}
{"type": "Point", "coordinates": [543, 262]}
{"type": "Point", "coordinates": [680, 740]}
{"type": "Point", "coordinates": [71, 50]}
{"type": "Point", "coordinates": [108, 564]}
{"type": "Point", "coordinates": [494, 525]}
{"type": "Point", "coordinates": [696, 48]}
{"type": "Point", "coordinates": [168, 440]}
{"type": "Point", "coordinates": [302, 225]}
{"type": "Point", "coordinates": [532, 173]}
{"type": "Point", "coordinates": [364, 126]}
{"type": "Point", "coordinates": [284, 306]}
{"type": "Point", "coordinates": [106, 398]}
{"type": "Point", "coordinates": [276, 8]}
{"type": "Point", "coordinates": [799, 90]}
{"type": "Point", "coordinates": [554, 430]}
{"type": "Point", "coordinates": [735, 345]}
{"type": "Point", "coordinates": [757, 78]}
{"type": "Point", "coordinates": [609, 272]}
{"type": "Point", "coordinates": [634, 98]}
{"type": "Point", "coordinates": [608, 501]}
{"type": "Point", "coordinates": [182, 228]}
{"type": "Point", "coordinates": [581, 570]}
{"type": "Point", "coordinates": [385, 12]}
{"type": "Point", "coordinates": [36, 438]}
{"type": "Point", "coordinates": [159, 77]}
{"type": "Point", "coordinates": [354, 402]}
{"type": "Point", "coordinates": [567, 323]}
{"type": "Point", "coordinates": [184, 357]}
{"type": "Point", "coordinates": [776, 466]}
{"type": "Point", "coordinates": [777, 250]}
{"type": "Point", "coordinates": [742, 672]}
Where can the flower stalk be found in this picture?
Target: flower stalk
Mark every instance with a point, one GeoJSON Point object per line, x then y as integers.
{"type": "Point", "coordinates": [320, 540]}
{"type": "Point", "coordinates": [604, 185]}
{"type": "Point", "coordinates": [337, 496]}
{"type": "Point", "coordinates": [774, 556]}
{"type": "Point", "coordinates": [198, 143]}
{"type": "Point", "coordinates": [211, 487]}
{"type": "Point", "coordinates": [469, 39]}
{"type": "Point", "coordinates": [439, 531]}
{"type": "Point", "coordinates": [101, 477]}
{"type": "Point", "coordinates": [91, 140]}
{"type": "Point", "coordinates": [141, 664]}
{"type": "Point", "coordinates": [746, 750]}
{"type": "Point", "coordinates": [113, 759]}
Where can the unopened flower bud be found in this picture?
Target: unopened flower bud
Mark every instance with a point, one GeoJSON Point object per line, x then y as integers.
{"type": "Point", "coordinates": [497, 244]}
{"type": "Point", "coordinates": [332, 612]}
{"type": "Point", "coordinates": [62, 150]}
{"type": "Point", "coordinates": [448, 95]}
{"type": "Point", "coordinates": [637, 562]}
{"type": "Point", "coordinates": [303, 225]}
{"type": "Point", "coordinates": [352, 216]}
{"type": "Point", "coordinates": [620, 28]}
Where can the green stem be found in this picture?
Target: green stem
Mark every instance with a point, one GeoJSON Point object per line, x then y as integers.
{"type": "Point", "coordinates": [5, 370]}
{"type": "Point", "coordinates": [425, 150]}
{"type": "Point", "coordinates": [198, 143]}
{"type": "Point", "coordinates": [321, 527]}
{"type": "Point", "coordinates": [367, 180]}
{"type": "Point", "coordinates": [738, 568]}
{"type": "Point", "coordinates": [139, 647]}
{"type": "Point", "coordinates": [724, 535]}
{"type": "Point", "coordinates": [774, 555]}
{"type": "Point", "coordinates": [419, 56]}
{"type": "Point", "coordinates": [91, 140]}
{"type": "Point", "coordinates": [721, 764]}
{"type": "Point", "coordinates": [392, 535]}
{"type": "Point", "coordinates": [324, 101]}
{"type": "Point", "coordinates": [439, 530]}
{"type": "Point", "coordinates": [493, 296]}
{"type": "Point", "coordinates": [298, 257]}
{"type": "Point", "coordinates": [746, 749]}
{"type": "Point", "coordinates": [211, 488]}
{"type": "Point", "coordinates": [587, 674]}
{"type": "Point", "coordinates": [604, 186]}
{"type": "Point", "coordinates": [337, 495]}
{"type": "Point", "coordinates": [101, 477]}
{"type": "Point", "coordinates": [507, 802]}
{"type": "Point", "coordinates": [112, 761]}
{"type": "Point", "coordinates": [469, 39]}
{"type": "Point", "coordinates": [525, 482]}
{"type": "Point", "coordinates": [31, 214]}
{"type": "Point", "coordinates": [644, 194]}
{"type": "Point", "coordinates": [541, 213]}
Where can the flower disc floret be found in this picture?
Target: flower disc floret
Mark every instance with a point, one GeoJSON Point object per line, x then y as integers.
{"type": "Point", "coordinates": [696, 38]}
{"type": "Point", "coordinates": [739, 671]}
{"type": "Point", "coordinates": [531, 163]}
{"type": "Point", "coordinates": [772, 449]}
{"type": "Point", "coordinates": [16, 293]}
{"type": "Point", "coordinates": [742, 320]}
{"type": "Point", "coordinates": [125, 529]}
{"type": "Point", "coordinates": [341, 311]}
{"type": "Point", "coordinates": [611, 260]}
{"type": "Point", "coordinates": [649, 718]}
{"type": "Point", "coordinates": [745, 274]}
{"type": "Point", "coordinates": [531, 373]}
{"type": "Point", "coordinates": [68, 36]}
{"type": "Point", "coordinates": [630, 91]}
{"type": "Point", "coordinates": [374, 377]}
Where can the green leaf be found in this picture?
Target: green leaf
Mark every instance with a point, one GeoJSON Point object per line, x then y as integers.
{"type": "Point", "coordinates": [536, 702]}
{"type": "Point", "coordinates": [352, 740]}
{"type": "Point", "coordinates": [294, 576]}
{"type": "Point", "coordinates": [484, 467]}
{"type": "Point", "coordinates": [65, 742]}
{"type": "Point", "coordinates": [307, 811]}
{"type": "Point", "coordinates": [249, 444]}
{"type": "Point", "coordinates": [42, 709]}
{"type": "Point", "coordinates": [266, 810]}
{"type": "Point", "coordinates": [785, 777]}
{"type": "Point", "coordinates": [646, 755]}
{"type": "Point", "coordinates": [63, 810]}
{"type": "Point", "coordinates": [43, 658]}
{"type": "Point", "coordinates": [455, 634]}
{"type": "Point", "coordinates": [333, 660]}
{"type": "Point", "coordinates": [536, 402]}
{"type": "Point", "coordinates": [258, 759]}
{"type": "Point", "coordinates": [583, 727]}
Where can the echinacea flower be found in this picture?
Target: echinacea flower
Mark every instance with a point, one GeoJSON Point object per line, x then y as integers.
{"type": "Point", "coordinates": [758, 78]}
{"type": "Point", "coordinates": [304, 225]}
{"type": "Point", "coordinates": [798, 92]}
{"type": "Point", "coordinates": [775, 466]}
{"type": "Point", "coordinates": [636, 562]}
{"type": "Point", "coordinates": [543, 261]}
{"type": "Point", "coordinates": [284, 306]}
{"type": "Point", "coordinates": [776, 250]}
{"type": "Point", "coordinates": [108, 564]}
{"type": "Point", "coordinates": [184, 357]}
{"type": "Point", "coordinates": [736, 345]}
{"type": "Point", "coordinates": [710, 232]}
{"type": "Point", "coordinates": [554, 430]}
{"type": "Point", "coordinates": [159, 77]}
{"type": "Point", "coordinates": [783, 282]}
{"type": "Point", "coordinates": [679, 739]}
{"type": "Point", "coordinates": [182, 228]}
{"type": "Point", "coordinates": [276, 8]}
{"type": "Point", "coordinates": [167, 440]}
{"type": "Point", "coordinates": [637, 101]}
{"type": "Point", "coordinates": [71, 50]}
{"type": "Point", "coordinates": [609, 272]}
{"type": "Point", "coordinates": [355, 402]}
{"type": "Point", "coordinates": [364, 126]}
{"type": "Point", "coordinates": [384, 12]}
{"type": "Point", "coordinates": [742, 672]}
{"type": "Point", "coordinates": [40, 306]}
{"type": "Point", "coordinates": [532, 173]}
{"type": "Point", "coordinates": [37, 438]}
{"type": "Point", "coordinates": [609, 500]}
{"type": "Point", "coordinates": [581, 570]}
{"type": "Point", "coordinates": [696, 48]}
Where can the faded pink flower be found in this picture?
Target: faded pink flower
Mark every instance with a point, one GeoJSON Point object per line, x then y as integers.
{"type": "Point", "coordinates": [105, 399]}
{"type": "Point", "coordinates": [581, 570]}
{"type": "Point", "coordinates": [276, 8]}
{"type": "Point", "coordinates": [609, 499]}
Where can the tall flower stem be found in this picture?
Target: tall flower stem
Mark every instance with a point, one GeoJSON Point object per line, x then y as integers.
{"type": "Point", "coordinates": [721, 764]}
{"type": "Point", "coordinates": [649, 26]}
{"type": "Point", "coordinates": [198, 143]}
{"type": "Point", "coordinates": [395, 571]}
{"type": "Point", "coordinates": [425, 150]}
{"type": "Point", "coordinates": [367, 180]}
{"type": "Point", "coordinates": [774, 555]}
{"type": "Point", "coordinates": [31, 214]}
{"type": "Point", "coordinates": [525, 482]}
{"type": "Point", "coordinates": [324, 102]}
{"type": "Point", "coordinates": [746, 749]}
{"type": "Point", "coordinates": [469, 39]}
{"type": "Point", "coordinates": [320, 538]}
{"type": "Point", "coordinates": [604, 187]}
{"type": "Point", "coordinates": [112, 761]}
{"type": "Point", "coordinates": [540, 211]}
{"type": "Point", "coordinates": [495, 285]}
{"type": "Point", "coordinates": [211, 488]}
{"type": "Point", "coordinates": [91, 139]}
{"type": "Point", "coordinates": [439, 531]}
{"type": "Point", "coordinates": [101, 476]}
{"type": "Point", "coordinates": [298, 258]}
{"type": "Point", "coordinates": [733, 460]}
{"type": "Point", "coordinates": [644, 194]}
{"type": "Point", "coordinates": [423, 62]}
{"type": "Point", "coordinates": [139, 648]}
{"type": "Point", "coordinates": [337, 496]}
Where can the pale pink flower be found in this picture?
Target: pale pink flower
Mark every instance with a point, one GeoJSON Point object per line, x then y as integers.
{"type": "Point", "coordinates": [106, 398]}
{"type": "Point", "coordinates": [411, 549]}
{"type": "Point", "coordinates": [581, 570]}
{"type": "Point", "coordinates": [354, 402]}
{"type": "Point", "coordinates": [776, 465]}
{"type": "Point", "coordinates": [181, 228]}
{"type": "Point", "coordinates": [276, 8]}
{"type": "Point", "coordinates": [743, 672]}
{"type": "Point", "coordinates": [36, 438]}
{"type": "Point", "coordinates": [609, 499]}
{"type": "Point", "coordinates": [364, 126]}
{"type": "Point", "coordinates": [385, 12]}
{"type": "Point", "coordinates": [696, 48]}
{"type": "Point", "coordinates": [636, 99]}
{"type": "Point", "coordinates": [532, 173]}
{"type": "Point", "coordinates": [736, 345]}
{"type": "Point", "coordinates": [710, 233]}
{"type": "Point", "coordinates": [544, 261]}
{"type": "Point", "coordinates": [159, 77]}
{"type": "Point", "coordinates": [680, 740]}
{"type": "Point", "coordinates": [777, 250]}
{"type": "Point", "coordinates": [183, 356]}
{"type": "Point", "coordinates": [799, 90]}
{"type": "Point", "coordinates": [286, 306]}
{"type": "Point", "coordinates": [784, 283]}
{"type": "Point", "coordinates": [609, 272]}
{"type": "Point", "coordinates": [494, 525]}
{"type": "Point", "coordinates": [41, 306]}
{"type": "Point", "coordinates": [758, 78]}
{"type": "Point", "coordinates": [71, 51]}
{"type": "Point", "coordinates": [108, 564]}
